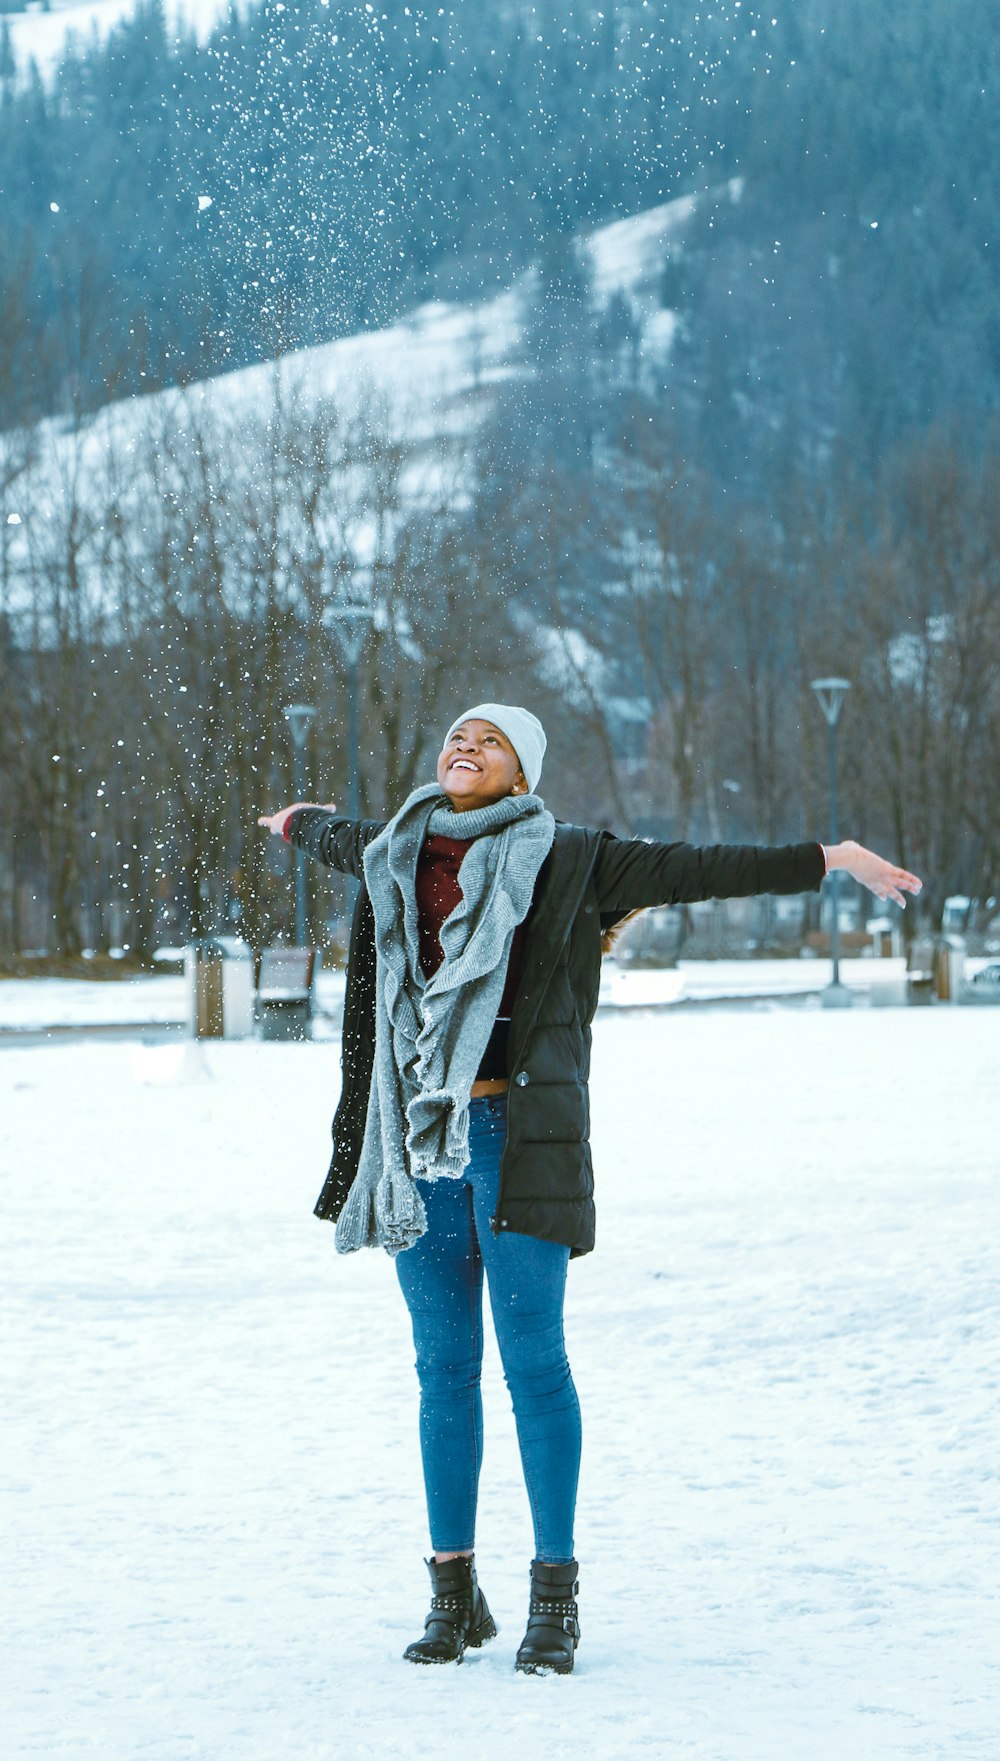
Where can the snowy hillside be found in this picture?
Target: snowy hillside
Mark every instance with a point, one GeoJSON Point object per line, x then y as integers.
{"type": "Point", "coordinates": [41, 36]}
{"type": "Point", "coordinates": [425, 380]}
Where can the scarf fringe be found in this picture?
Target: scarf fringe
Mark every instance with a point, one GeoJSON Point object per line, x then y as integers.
{"type": "Point", "coordinates": [392, 1216]}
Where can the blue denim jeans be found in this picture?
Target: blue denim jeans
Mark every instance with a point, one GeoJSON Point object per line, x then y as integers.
{"type": "Point", "coordinates": [442, 1281]}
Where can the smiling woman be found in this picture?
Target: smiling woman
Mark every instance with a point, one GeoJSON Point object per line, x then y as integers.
{"type": "Point", "coordinates": [478, 765]}
{"type": "Point", "coordinates": [461, 1134]}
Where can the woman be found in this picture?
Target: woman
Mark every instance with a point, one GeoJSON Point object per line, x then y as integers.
{"type": "Point", "coordinates": [460, 1138]}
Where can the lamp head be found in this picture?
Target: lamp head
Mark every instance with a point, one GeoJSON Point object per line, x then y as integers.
{"type": "Point", "coordinates": [298, 716]}
{"type": "Point", "coordinates": [830, 694]}
{"type": "Point", "coordinates": [350, 619]}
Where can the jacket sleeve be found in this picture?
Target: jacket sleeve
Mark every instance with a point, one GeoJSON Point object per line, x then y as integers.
{"type": "Point", "coordinates": [337, 843]}
{"type": "Point", "coordinates": [630, 873]}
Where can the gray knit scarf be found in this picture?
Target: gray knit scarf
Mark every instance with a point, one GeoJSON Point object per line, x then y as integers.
{"type": "Point", "coordinates": [430, 1034]}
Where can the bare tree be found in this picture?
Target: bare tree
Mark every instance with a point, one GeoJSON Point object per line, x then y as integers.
{"type": "Point", "coordinates": [929, 670]}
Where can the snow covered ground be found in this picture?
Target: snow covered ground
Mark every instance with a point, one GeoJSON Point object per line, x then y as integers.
{"type": "Point", "coordinates": [785, 1345]}
{"type": "Point", "coordinates": [61, 1002]}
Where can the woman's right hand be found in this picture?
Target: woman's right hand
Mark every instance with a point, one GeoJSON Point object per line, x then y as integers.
{"type": "Point", "coordinates": [275, 822]}
{"type": "Point", "coordinates": [882, 878]}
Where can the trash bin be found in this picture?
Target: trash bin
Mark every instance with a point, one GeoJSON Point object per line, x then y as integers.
{"type": "Point", "coordinates": [920, 971]}
{"type": "Point", "coordinates": [949, 968]}
{"type": "Point", "coordinates": [220, 972]}
{"type": "Point", "coordinates": [284, 992]}
{"type": "Point", "coordinates": [887, 941]}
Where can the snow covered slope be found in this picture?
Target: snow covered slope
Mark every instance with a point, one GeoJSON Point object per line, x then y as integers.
{"type": "Point", "coordinates": [41, 36]}
{"type": "Point", "coordinates": [426, 380]}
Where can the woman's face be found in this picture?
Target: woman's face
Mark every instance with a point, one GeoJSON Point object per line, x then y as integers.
{"type": "Point", "coordinates": [478, 765]}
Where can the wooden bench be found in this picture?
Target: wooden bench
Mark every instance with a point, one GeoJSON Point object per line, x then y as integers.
{"type": "Point", "coordinates": [284, 991]}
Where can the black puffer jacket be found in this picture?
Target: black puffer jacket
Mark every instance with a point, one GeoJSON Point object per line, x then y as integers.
{"type": "Point", "coordinates": [588, 881]}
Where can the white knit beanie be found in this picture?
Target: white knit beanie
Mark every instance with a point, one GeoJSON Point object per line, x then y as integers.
{"type": "Point", "coordinates": [523, 730]}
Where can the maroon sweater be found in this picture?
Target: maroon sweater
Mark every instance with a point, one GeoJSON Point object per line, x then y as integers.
{"type": "Point", "coordinates": [438, 892]}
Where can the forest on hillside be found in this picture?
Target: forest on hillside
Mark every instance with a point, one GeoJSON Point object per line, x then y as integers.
{"type": "Point", "coordinates": [661, 556]}
{"type": "Point", "coordinates": [169, 603]}
{"type": "Point", "coordinates": [172, 209]}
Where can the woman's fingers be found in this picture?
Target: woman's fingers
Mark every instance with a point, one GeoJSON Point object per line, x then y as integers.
{"type": "Point", "coordinates": [900, 882]}
{"type": "Point", "coordinates": [275, 822]}
{"type": "Point", "coordinates": [884, 879]}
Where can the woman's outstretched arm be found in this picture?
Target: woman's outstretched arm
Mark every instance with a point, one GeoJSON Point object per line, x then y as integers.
{"type": "Point", "coordinates": [336, 842]}
{"type": "Point", "coordinates": [631, 873]}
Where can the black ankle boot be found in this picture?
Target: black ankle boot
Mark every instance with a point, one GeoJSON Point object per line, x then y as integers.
{"type": "Point", "coordinates": [459, 1619]}
{"type": "Point", "coordinates": [553, 1628]}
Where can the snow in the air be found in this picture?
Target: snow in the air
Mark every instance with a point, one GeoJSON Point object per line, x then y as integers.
{"type": "Point", "coordinates": [786, 1346]}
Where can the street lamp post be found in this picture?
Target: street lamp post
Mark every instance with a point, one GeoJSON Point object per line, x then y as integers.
{"type": "Point", "coordinates": [351, 620]}
{"type": "Point", "coordinates": [830, 694]}
{"type": "Point", "coordinates": [299, 717]}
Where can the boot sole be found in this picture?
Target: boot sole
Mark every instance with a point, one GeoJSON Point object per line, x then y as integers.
{"type": "Point", "coordinates": [545, 1668]}
{"type": "Point", "coordinates": [535, 1666]}
{"type": "Point", "coordinates": [475, 1640]}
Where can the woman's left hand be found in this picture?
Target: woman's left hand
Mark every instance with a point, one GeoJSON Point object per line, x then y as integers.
{"type": "Point", "coordinates": [882, 878]}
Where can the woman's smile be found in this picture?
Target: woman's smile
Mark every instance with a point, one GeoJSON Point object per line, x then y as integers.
{"type": "Point", "coordinates": [478, 765]}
